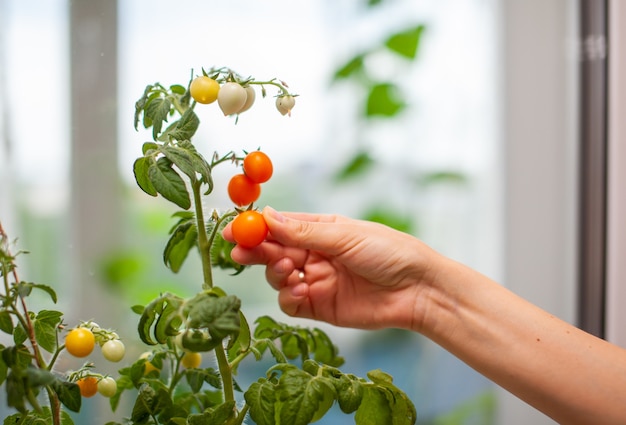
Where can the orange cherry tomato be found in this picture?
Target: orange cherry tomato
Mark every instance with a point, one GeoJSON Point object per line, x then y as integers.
{"type": "Point", "coordinates": [242, 190]}
{"type": "Point", "coordinates": [258, 166]}
{"type": "Point", "coordinates": [88, 386]}
{"type": "Point", "coordinates": [249, 229]}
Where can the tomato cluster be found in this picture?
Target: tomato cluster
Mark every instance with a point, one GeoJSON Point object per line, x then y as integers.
{"type": "Point", "coordinates": [80, 342]}
{"type": "Point", "coordinates": [233, 97]}
{"type": "Point", "coordinates": [249, 227]}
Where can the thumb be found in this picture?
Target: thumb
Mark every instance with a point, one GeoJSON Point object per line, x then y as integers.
{"type": "Point", "coordinates": [306, 231]}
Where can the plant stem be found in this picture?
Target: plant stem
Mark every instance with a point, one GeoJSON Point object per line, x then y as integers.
{"type": "Point", "coordinates": [225, 373]}
{"type": "Point", "coordinates": [205, 255]}
{"type": "Point", "coordinates": [203, 241]}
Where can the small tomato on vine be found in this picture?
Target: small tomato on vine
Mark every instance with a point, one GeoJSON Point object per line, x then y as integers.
{"type": "Point", "coordinates": [231, 98]}
{"type": "Point", "coordinates": [242, 190]}
{"type": "Point", "coordinates": [79, 342]}
{"type": "Point", "coordinates": [204, 89]}
{"type": "Point", "coordinates": [258, 166]}
{"type": "Point", "coordinates": [249, 228]}
{"type": "Point", "coordinates": [250, 98]}
{"type": "Point", "coordinates": [88, 386]}
{"type": "Point", "coordinates": [285, 104]}
{"type": "Point", "coordinates": [191, 360]}
{"type": "Point", "coordinates": [107, 387]}
{"type": "Point", "coordinates": [113, 350]}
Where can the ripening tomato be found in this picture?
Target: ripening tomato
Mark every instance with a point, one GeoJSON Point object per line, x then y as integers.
{"type": "Point", "coordinates": [249, 228]}
{"type": "Point", "coordinates": [250, 98]}
{"type": "Point", "coordinates": [285, 104]}
{"type": "Point", "coordinates": [88, 386]}
{"type": "Point", "coordinates": [113, 350]}
{"type": "Point", "coordinates": [147, 366]}
{"type": "Point", "coordinates": [191, 360]}
{"type": "Point", "coordinates": [242, 190]}
{"type": "Point", "coordinates": [231, 98]}
{"type": "Point", "coordinates": [107, 387]}
{"type": "Point", "coordinates": [204, 89]}
{"type": "Point", "coordinates": [258, 167]}
{"type": "Point", "coordinates": [79, 342]}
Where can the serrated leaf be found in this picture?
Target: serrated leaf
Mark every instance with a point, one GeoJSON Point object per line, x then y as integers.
{"type": "Point", "coordinates": [140, 104]}
{"type": "Point", "coordinates": [69, 394]}
{"type": "Point", "coordinates": [45, 326]}
{"type": "Point", "coordinates": [168, 183]}
{"type": "Point", "coordinates": [219, 315]}
{"type": "Point", "coordinates": [220, 255]}
{"type": "Point", "coordinates": [406, 43]}
{"type": "Point", "coordinates": [149, 146]}
{"type": "Point", "coordinates": [384, 100]}
{"type": "Point", "coordinates": [181, 159]}
{"type": "Point", "coordinates": [6, 322]}
{"type": "Point", "coordinates": [140, 170]}
{"type": "Point", "coordinates": [325, 351]}
{"type": "Point", "coordinates": [183, 238]}
{"type": "Point", "coordinates": [151, 313]}
{"type": "Point", "coordinates": [157, 110]}
{"type": "Point", "coordinates": [301, 395]}
{"type": "Point", "coordinates": [374, 408]}
{"type": "Point", "coordinates": [200, 164]}
{"type": "Point", "coordinates": [185, 127]}
{"type": "Point", "coordinates": [349, 393]}
{"type": "Point", "coordinates": [261, 397]}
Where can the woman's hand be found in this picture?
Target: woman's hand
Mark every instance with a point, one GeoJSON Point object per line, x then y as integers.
{"type": "Point", "coordinates": [346, 272]}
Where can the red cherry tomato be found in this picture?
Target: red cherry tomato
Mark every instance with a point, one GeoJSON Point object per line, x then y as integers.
{"type": "Point", "coordinates": [258, 166]}
{"type": "Point", "coordinates": [249, 229]}
{"type": "Point", "coordinates": [242, 190]}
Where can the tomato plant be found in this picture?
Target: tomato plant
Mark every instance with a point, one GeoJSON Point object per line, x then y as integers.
{"type": "Point", "coordinates": [258, 166]}
{"type": "Point", "coordinates": [168, 383]}
{"type": "Point", "coordinates": [249, 228]}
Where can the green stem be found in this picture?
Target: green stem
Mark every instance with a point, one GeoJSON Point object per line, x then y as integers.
{"type": "Point", "coordinates": [225, 373]}
{"type": "Point", "coordinates": [205, 255]}
{"type": "Point", "coordinates": [203, 241]}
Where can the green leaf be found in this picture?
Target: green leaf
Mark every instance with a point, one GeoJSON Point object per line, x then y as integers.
{"type": "Point", "coordinates": [181, 158]}
{"type": "Point", "coordinates": [302, 395]}
{"type": "Point", "coordinates": [151, 313]}
{"type": "Point", "coordinates": [402, 409]}
{"type": "Point", "coordinates": [140, 170]}
{"type": "Point", "coordinates": [220, 315]}
{"type": "Point", "coordinates": [406, 43]}
{"type": "Point", "coordinates": [168, 183]}
{"type": "Point", "coordinates": [374, 408]}
{"type": "Point", "coordinates": [182, 239]}
{"type": "Point", "coordinates": [184, 128]}
{"type": "Point", "coordinates": [349, 393]}
{"type": "Point", "coordinates": [69, 394]}
{"type": "Point", "coordinates": [157, 110]}
{"type": "Point", "coordinates": [6, 322]}
{"type": "Point", "coordinates": [141, 103]}
{"type": "Point", "coordinates": [324, 350]}
{"type": "Point", "coordinates": [197, 377]}
{"type": "Point", "coordinates": [148, 147]}
{"type": "Point", "coordinates": [358, 165]}
{"type": "Point", "coordinates": [45, 326]}
{"type": "Point", "coordinates": [261, 397]}
{"type": "Point", "coordinates": [350, 68]}
{"type": "Point", "coordinates": [384, 101]}
{"type": "Point", "coordinates": [200, 165]}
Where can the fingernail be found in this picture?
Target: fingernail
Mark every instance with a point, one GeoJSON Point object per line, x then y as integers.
{"type": "Point", "coordinates": [274, 214]}
{"type": "Point", "coordinates": [300, 290]}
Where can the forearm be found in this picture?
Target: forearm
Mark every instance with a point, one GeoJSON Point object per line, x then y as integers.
{"type": "Point", "coordinates": [564, 372]}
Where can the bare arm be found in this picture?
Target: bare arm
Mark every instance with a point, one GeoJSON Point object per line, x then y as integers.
{"type": "Point", "coordinates": [368, 276]}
